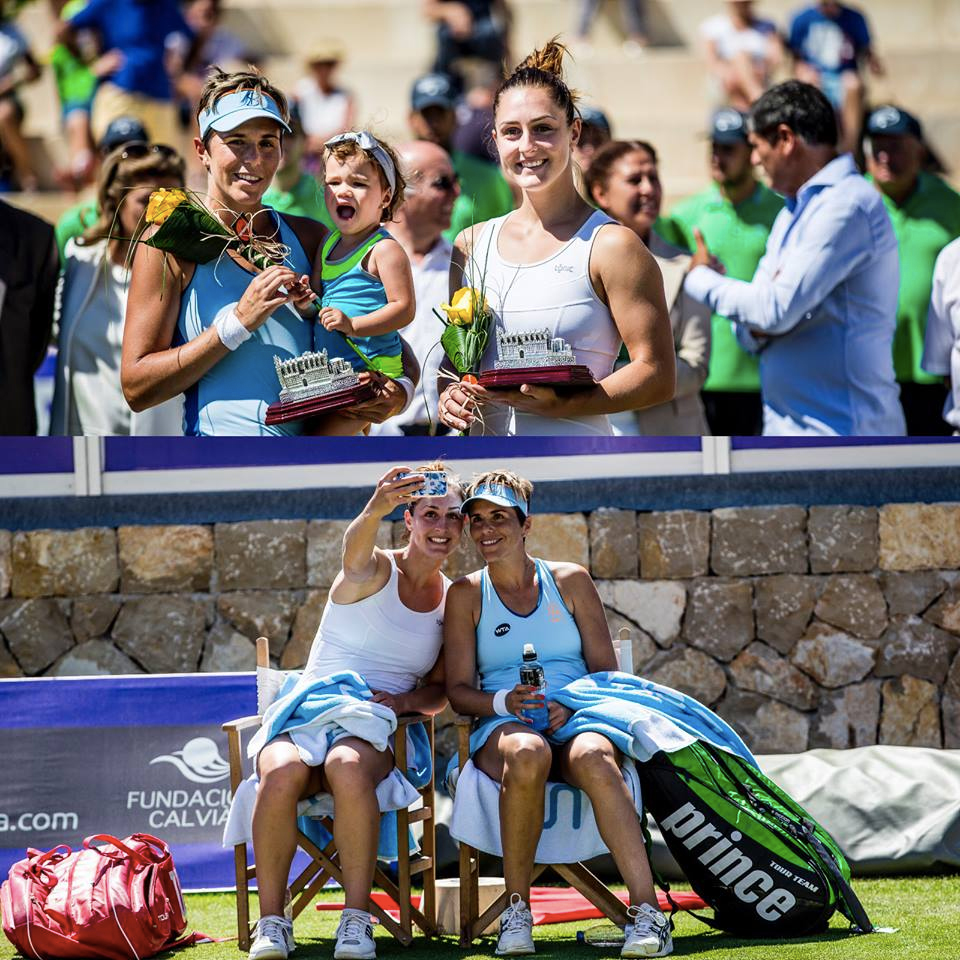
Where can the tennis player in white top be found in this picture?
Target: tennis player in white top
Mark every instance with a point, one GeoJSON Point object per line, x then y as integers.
{"type": "Point", "coordinates": [557, 262]}
{"type": "Point", "coordinates": [383, 619]}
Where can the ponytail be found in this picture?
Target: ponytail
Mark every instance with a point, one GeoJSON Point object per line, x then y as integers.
{"type": "Point", "coordinates": [543, 68]}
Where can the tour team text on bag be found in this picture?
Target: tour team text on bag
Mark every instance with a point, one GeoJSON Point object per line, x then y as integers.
{"type": "Point", "coordinates": [121, 900]}
{"type": "Point", "coordinates": [751, 852]}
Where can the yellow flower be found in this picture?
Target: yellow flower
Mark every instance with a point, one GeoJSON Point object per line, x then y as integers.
{"type": "Point", "coordinates": [464, 306]}
{"type": "Point", "coordinates": [162, 203]}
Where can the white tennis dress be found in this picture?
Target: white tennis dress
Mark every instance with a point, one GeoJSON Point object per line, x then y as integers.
{"type": "Point", "coordinates": [554, 294]}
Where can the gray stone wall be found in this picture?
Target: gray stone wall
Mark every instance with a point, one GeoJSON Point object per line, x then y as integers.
{"type": "Point", "coordinates": [823, 627]}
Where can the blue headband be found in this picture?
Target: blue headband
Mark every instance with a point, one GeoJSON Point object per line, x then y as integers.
{"type": "Point", "coordinates": [500, 494]}
{"type": "Point", "coordinates": [239, 106]}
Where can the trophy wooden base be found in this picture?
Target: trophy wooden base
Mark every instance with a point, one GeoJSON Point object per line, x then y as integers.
{"type": "Point", "coordinates": [279, 412]}
{"type": "Point", "coordinates": [574, 376]}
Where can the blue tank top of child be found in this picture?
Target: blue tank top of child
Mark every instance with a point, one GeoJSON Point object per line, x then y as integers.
{"type": "Point", "coordinates": [355, 291]}
{"type": "Point", "coordinates": [232, 397]}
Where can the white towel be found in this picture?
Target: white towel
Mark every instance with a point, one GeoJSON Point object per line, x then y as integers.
{"type": "Point", "coordinates": [394, 792]}
{"type": "Point", "coordinates": [570, 829]}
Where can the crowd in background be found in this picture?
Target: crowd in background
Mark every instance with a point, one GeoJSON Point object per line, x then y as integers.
{"type": "Point", "coordinates": [129, 74]}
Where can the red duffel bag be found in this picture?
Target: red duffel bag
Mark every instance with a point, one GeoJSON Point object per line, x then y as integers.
{"type": "Point", "coordinates": [120, 901]}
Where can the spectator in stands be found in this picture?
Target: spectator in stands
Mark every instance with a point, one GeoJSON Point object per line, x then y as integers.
{"type": "Point", "coordinates": [82, 215]}
{"type": "Point", "coordinates": [734, 216]}
{"type": "Point", "coordinates": [324, 107]}
{"type": "Point", "coordinates": [76, 84]}
{"type": "Point", "coordinates": [634, 14]}
{"type": "Point", "coordinates": [17, 67]}
{"type": "Point", "coordinates": [624, 183]}
{"type": "Point", "coordinates": [477, 29]}
{"type": "Point", "coordinates": [829, 41]}
{"type": "Point", "coordinates": [145, 46]}
{"type": "Point", "coordinates": [926, 216]}
{"type": "Point", "coordinates": [822, 306]}
{"type": "Point", "coordinates": [483, 191]}
{"type": "Point", "coordinates": [294, 190]}
{"type": "Point", "coordinates": [473, 134]}
{"type": "Point", "coordinates": [594, 133]}
{"type": "Point", "coordinates": [211, 330]}
{"type": "Point", "coordinates": [742, 52]}
{"type": "Point", "coordinates": [418, 227]}
{"type": "Point", "coordinates": [87, 397]}
{"type": "Point", "coordinates": [28, 280]}
{"type": "Point", "coordinates": [941, 352]}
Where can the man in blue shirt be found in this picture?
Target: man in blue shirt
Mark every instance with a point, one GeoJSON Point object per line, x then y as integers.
{"type": "Point", "coordinates": [144, 45]}
{"type": "Point", "coordinates": [822, 306]}
{"type": "Point", "coordinates": [829, 41]}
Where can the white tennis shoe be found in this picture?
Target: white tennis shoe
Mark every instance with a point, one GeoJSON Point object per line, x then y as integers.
{"type": "Point", "coordinates": [647, 933]}
{"type": "Point", "coordinates": [355, 937]}
{"type": "Point", "coordinates": [273, 939]}
{"type": "Point", "coordinates": [516, 929]}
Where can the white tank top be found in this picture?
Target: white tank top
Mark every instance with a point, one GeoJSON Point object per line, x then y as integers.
{"type": "Point", "coordinates": [555, 294]}
{"type": "Point", "coordinates": [387, 643]}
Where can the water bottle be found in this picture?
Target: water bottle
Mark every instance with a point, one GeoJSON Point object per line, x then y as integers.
{"type": "Point", "coordinates": [531, 675]}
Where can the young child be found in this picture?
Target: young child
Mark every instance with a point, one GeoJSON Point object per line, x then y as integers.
{"type": "Point", "coordinates": [363, 273]}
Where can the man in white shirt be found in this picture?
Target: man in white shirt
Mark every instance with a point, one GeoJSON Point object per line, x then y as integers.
{"type": "Point", "coordinates": [941, 348]}
{"type": "Point", "coordinates": [432, 188]}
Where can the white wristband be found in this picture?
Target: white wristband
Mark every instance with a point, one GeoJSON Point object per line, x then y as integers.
{"type": "Point", "coordinates": [409, 389]}
{"type": "Point", "coordinates": [230, 330]}
{"type": "Point", "coordinates": [500, 703]}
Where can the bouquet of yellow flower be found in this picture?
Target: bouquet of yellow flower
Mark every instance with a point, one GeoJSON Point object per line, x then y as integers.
{"type": "Point", "coordinates": [467, 328]}
{"type": "Point", "coordinates": [189, 230]}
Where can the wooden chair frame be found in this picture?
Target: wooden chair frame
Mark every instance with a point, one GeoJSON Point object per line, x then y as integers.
{"type": "Point", "coordinates": [577, 874]}
{"type": "Point", "coordinates": [325, 864]}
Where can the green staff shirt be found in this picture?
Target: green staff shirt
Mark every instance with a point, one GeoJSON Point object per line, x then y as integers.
{"type": "Point", "coordinates": [924, 225]}
{"type": "Point", "coordinates": [484, 194]}
{"type": "Point", "coordinates": [304, 200]}
{"type": "Point", "coordinates": [737, 236]}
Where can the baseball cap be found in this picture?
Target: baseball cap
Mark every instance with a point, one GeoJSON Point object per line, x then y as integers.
{"type": "Point", "coordinates": [889, 120]}
{"type": "Point", "coordinates": [498, 493]}
{"type": "Point", "coordinates": [728, 126]}
{"type": "Point", "coordinates": [433, 90]}
{"type": "Point", "coordinates": [122, 130]}
{"type": "Point", "coordinates": [227, 112]}
{"type": "Point", "coordinates": [595, 117]}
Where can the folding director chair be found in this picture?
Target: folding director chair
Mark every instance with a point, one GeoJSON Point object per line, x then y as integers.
{"type": "Point", "coordinates": [324, 863]}
{"type": "Point", "coordinates": [577, 874]}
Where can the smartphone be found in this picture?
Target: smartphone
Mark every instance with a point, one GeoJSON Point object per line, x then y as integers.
{"type": "Point", "coordinates": [435, 483]}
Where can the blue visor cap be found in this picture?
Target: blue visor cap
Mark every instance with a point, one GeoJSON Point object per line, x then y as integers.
{"type": "Point", "coordinates": [239, 106]}
{"type": "Point", "coordinates": [498, 493]}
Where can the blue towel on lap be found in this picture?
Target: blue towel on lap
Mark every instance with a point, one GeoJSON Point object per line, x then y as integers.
{"type": "Point", "coordinates": [641, 717]}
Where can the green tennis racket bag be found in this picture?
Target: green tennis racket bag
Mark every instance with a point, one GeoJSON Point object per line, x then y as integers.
{"type": "Point", "coordinates": [764, 866]}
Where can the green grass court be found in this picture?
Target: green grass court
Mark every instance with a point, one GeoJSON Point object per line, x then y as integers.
{"type": "Point", "coordinates": [925, 909]}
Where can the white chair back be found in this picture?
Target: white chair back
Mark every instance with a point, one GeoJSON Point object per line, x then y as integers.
{"type": "Point", "coordinates": [623, 647]}
{"type": "Point", "coordinates": [269, 680]}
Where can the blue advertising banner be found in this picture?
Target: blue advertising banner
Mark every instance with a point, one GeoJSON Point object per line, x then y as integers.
{"type": "Point", "coordinates": [121, 755]}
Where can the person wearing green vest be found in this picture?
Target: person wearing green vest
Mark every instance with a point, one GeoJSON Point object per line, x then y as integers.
{"type": "Point", "coordinates": [734, 215]}
{"type": "Point", "coordinates": [925, 213]}
{"type": "Point", "coordinates": [295, 191]}
{"type": "Point", "coordinates": [484, 193]}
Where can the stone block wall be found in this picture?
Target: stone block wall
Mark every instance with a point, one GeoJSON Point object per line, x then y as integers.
{"type": "Point", "coordinates": [834, 626]}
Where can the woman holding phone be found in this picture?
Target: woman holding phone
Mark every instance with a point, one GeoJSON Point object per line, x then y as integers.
{"type": "Point", "coordinates": [383, 620]}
